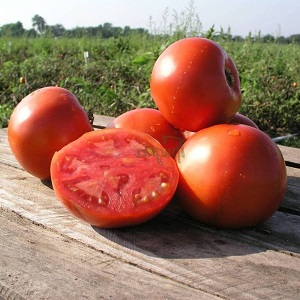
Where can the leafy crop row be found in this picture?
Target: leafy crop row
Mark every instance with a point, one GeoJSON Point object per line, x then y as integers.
{"type": "Point", "coordinates": [113, 76]}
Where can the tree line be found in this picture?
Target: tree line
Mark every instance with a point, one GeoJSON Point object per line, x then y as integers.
{"type": "Point", "coordinates": [107, 30]}
{"type": "Point", "coordinates": [41, 28]}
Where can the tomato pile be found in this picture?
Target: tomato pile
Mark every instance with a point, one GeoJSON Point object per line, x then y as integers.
{"type": "Point", "coordinates": [196, 147]}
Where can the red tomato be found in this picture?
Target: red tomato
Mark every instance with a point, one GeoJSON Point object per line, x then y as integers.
{"type": "Point", "coordinates": [237, 119]}
{"type": "Point", "coordinates": [151, 121]}
{"type": "Point", "coordinates": [42, 123]}
{"type": "Point", "coordinates": [195, 84]}
{"type": "Point", "coordinates": [241, 119]}
{"type": "Point", "coordinates": [231, 176]}
{"type": "Point", "coordinates": [114, 177]}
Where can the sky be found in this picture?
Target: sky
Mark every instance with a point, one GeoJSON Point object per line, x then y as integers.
{"type": "Point", "coordinates": [275, 17]}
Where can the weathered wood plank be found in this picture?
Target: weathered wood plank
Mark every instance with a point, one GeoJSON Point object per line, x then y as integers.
{"type": "Point", "coordinates": [6, 156]}
{"type": "Point", "coordinates": [173, 245]}
{"type": "Point", "coordinates": [291, 155]}
{"type": "Point", "coordinates": [37, 263]}
{"type": "Point", "coordinates": [176, 247]}
{"type": "Point", "coordinates": [291, 201]}
{"type": "Point", "coordinates": [101, 121]}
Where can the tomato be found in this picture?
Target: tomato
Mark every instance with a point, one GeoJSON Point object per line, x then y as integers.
{"type": "Point", "coordinates": [42, 123]}
{"type": "Point", "coordinates": [241, 119]}
{"type": "Point", "coordinates": [195, 84]}
{"type": "Point", "coordinates": [151, 121]}
{"type": "Point", "coordinates": [237, 119]}
{"type": "Point", "coordinates": [231, 176]}
{"type": "Point", "coordinates": [114, 177]}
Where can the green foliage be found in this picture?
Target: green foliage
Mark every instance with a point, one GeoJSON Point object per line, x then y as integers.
{"type": "Point", "coordinates": [291, 142]}
{"type": "Point", "coordinates": [5, 112]}
{"type": "Point", "coordinates": [108, 82]}
{"type": "Point", "coordinates": [269, 75]}
{"type": "Point", "coordinates": [115, 76]}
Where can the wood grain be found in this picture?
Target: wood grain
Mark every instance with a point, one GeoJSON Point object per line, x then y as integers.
{"type": "Point", "coordinates": [46, 265]}
{"type": "Point", "coordinates": [172, 245]}
{"type": "Point", "coordinates": [169, 257]}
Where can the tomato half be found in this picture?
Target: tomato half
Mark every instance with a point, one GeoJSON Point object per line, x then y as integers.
{"type": "Point", "coordinates": [195, 84]}
{"type": "Point", "coordinates": [231, 176]}
{"type": "Point", "coordinates": [114, 177]}
{"type": "Point", "coordinates": [151, 121]}
{"type": "Point", "coordinates": [42, 123]}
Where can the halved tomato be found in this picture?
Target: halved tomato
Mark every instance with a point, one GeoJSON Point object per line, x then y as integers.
{"type": "Point", "coordinates": [114, 177]}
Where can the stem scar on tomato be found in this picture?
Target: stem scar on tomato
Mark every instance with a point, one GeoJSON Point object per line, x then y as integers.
{"type": "Point", "coordinates": [229, 77]}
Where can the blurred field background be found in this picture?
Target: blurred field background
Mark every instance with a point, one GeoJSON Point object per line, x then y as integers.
{"type": "Point", "coordinates": [108, 68]}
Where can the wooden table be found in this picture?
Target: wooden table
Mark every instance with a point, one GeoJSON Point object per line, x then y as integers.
{"type": "Point", "coordinates": [48, 254]}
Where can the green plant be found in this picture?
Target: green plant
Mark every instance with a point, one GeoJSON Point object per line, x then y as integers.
{"type": "Point", "coordinates": [115, 78]}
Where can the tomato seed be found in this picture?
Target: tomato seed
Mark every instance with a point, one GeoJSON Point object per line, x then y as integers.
{"type": "Point", "coordinates": [162, 187]}
{"type": "Point", "coordinates": [155, 194]}
{"type": "Point", "coordinates": [123, 180]}
{"type": "Point", "coordinates": [138, 199]}
{"type": "Point", "coordinates": [103, 201]}
{"type": "Point", "coordinates": [149, 150]}
{"type": "Point", "coordinates": [164, 177]}
{"type": "Point", "coordinates": [128, 161]}
{"type": "Point", "coordinates": [72, 188]}
{"type": "Point", "coordinates": [163, 184]}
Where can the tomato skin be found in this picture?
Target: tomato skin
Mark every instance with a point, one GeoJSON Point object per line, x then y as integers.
{"type": "Point", "coordinates": [242, 119]}
{"type": "Point", "coordinates": [121, 165]}
{"type": "Point", "coordinates": [42, 123]}
{"type": "Point", "coordinates": [195, 84]}
{"type": "Point", "coordinates": [231, 176]}
{"type": "Point", "coordinates": [151, 121]}
{"type": "Point", "coordinates": [237, 119]}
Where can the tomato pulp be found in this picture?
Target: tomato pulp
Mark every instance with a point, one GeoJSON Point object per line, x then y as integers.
{"type": "Point", "coordinates": [114, 177]}
{"type": "Point", "coordinates": [231, 176]}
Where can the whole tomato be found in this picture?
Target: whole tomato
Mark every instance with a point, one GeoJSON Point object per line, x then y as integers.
{"type": "Point", "coordinates": [152, 122]}
{"type": "Point", "coordinates": [195, 84]}
{"type": "Point", "coordinates": [41, 124]}
{"type": "Point", "coordinates": [231, 176]}
{"type": "Point", "coordinates": [237, 119]}
{"type": "Point", "coordinates": [242, 119]}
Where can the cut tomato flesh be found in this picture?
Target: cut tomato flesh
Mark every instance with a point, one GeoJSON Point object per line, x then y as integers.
{"type": "Point", "coordinates": [114, 177]}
